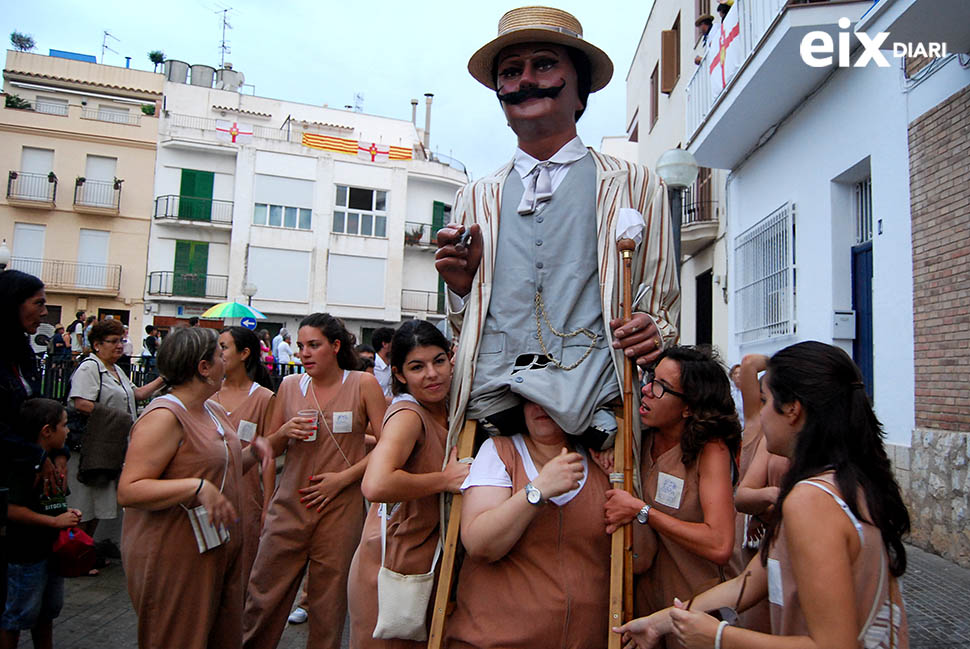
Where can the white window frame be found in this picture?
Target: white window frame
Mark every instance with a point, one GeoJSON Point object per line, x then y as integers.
{"type": "Point", "coordinates": [343, 213]}
{"type": "Point", "coordinates": [285, 211]}
{"type": "Point", "coordinates": [764, 263]}
{"type": "Point", "coordinates": [863, 211]}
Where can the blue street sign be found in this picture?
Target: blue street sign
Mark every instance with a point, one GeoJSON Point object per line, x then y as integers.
{"type": "Point", "coordinates": [249, 323]}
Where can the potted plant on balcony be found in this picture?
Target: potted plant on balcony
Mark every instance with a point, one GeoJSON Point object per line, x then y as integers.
{"type": "Point", "coordinates": [413, 237]}
{"type": "Point", "coordinates": [12, 175]}
{"type": "Point", "coordinates": [79, 181]}
{"type": "Point", "coordinates": [15, 101]}
{"type": "Point", "coordinates": [117, 183]}
{"type": "Point", "coordinates": [51, 178]}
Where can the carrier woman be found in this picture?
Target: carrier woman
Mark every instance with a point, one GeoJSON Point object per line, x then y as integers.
{"type": "Point", "coordinates": [829, 563]}
{"type": "Point", "coordinates": [317, 511]}
{"type": "Point", "coordinates": [183, 462]}
{"type": "Point", "coordinates": [248, 399]}
{"type": "Point", "coordinates": [687, 467]}
{"type": "Point", "coordinates": [404, 471]}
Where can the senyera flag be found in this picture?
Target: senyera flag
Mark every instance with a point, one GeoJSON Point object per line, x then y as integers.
{"type": "Point", "coordinates": [365, 150]}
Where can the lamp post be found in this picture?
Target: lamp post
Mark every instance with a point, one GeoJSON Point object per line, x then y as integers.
{"type": "Point", "coordinates": [249, 290]}
{"type": "Point", "coordinates": [4, 256]}
{"type": "Point", "coordinates": [678, 169]}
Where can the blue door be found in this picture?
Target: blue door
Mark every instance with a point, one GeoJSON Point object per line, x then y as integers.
{"type": "Point", "coordinates": [862, 304]}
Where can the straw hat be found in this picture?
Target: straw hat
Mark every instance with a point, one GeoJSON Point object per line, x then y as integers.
{"type": "Point", "coordinates": [540, 25]}
{"type": "Point", "coordinates": [704, 18]}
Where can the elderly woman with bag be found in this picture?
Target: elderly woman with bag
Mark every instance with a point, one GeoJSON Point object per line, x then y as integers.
{"type": "Point", "coordinates": [103, 393]}
{"type": "Point", "coordinates": [404, 481]}
{"type": "Point", "coordinates": [181, 487]}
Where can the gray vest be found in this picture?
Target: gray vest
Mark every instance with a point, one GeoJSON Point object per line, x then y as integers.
{"type": "Point", "coordinates": [553, 252]}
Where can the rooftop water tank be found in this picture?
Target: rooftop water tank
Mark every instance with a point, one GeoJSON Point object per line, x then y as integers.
{"type": "Point", "coordinates": [202, 75]}
{"type": "Point", "coordinates": [228, 79]}
{"type": "Point", "coordinates": [176, 70]}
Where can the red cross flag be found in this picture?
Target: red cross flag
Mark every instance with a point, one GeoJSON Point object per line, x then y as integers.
{"type": "Point", "coordinates": [725, 56]}
{"type": "Point", "coordinates": [233, 131]}
{"type": "Point", "coordinates": [373, 151]}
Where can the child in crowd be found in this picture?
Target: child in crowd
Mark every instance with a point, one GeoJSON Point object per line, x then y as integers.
{"type": "Point", "coordinates": [37, 511]}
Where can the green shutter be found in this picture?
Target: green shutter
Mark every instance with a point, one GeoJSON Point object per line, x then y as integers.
{"type": "Point", "coordinates": [195, 195]}
{"type": "Point", "coordinates": [191, 268]}
{"type": "Point", "coordinates": [441, 294]}
{"type": "Point", "coordinates": [437, 218]}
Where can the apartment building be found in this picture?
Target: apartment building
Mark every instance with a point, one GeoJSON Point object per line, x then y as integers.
{"type": "Point", "coordinates": [292, 207]}
{"type": "Point", "coordinates": [77, 142]}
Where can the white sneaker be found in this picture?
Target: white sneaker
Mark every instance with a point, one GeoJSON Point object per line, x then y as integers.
{"type": "Point", "coordinates": [298, 616]}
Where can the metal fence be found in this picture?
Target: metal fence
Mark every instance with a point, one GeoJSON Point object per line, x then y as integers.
{"type": "Point", "coordinates": [422, 301]}
{"type": "Point", "coordinates": [98, 193]}
{"type": "Point", "coordinates": [50, 107]}
{"type": "Point", "coordinates": [113, 116]}
{"type": "Point", "coordinates": [420, 234]}
{"type": "Point", "coordinates": [170, 283]}
{"type": "Point", "coordinates": [56, 273]}
{"type": "Point", "coordinates": [28, 186]}
{"type": "Point", "coordinates": [188, 208]}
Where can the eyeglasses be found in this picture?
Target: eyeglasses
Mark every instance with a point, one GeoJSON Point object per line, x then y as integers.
{"type": "Point", "coordinates": [112, 341]}
{"type": "Point", "coordinates": [658, 389]}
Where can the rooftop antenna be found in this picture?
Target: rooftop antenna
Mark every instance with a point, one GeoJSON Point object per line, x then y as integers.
{"type": "Point", "coordinates": [224, 44]}
{"type": "Point", "coordinates": [358, 102]}
{"type": "Point", "coordinates": [104, 44]}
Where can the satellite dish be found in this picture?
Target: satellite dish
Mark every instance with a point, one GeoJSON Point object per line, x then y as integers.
{"type": "Point", "coordinates": [40, 340]}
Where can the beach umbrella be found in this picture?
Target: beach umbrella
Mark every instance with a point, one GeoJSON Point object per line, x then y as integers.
{"type": "Point", "coordinates": [233, 310]}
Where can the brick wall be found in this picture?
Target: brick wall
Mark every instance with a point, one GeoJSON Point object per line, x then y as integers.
{"type": "Point", "coordinates": [939, 144]}
{"type": "Point", "coordinates": [916, 63]}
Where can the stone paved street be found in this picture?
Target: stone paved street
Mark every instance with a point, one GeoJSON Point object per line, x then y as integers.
{"type": "Point", "coordinates": [98, 615]}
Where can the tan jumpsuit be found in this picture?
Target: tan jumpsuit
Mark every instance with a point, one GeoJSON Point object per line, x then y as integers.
{"type": "Point", "coordinates": [183, 598]}
{"type": "Point", "coordinates": [293, 534]}
{"type": "Point", "coordinates": [254, 410]}
{"type": "Point", "coordinates": [787, 617]}
{"type": "Point", "coordinates": [676, 571]}
{"type": "Point", "coordinates": [412, 536]}
{"type": "Point", "coordinates": [552, 588]}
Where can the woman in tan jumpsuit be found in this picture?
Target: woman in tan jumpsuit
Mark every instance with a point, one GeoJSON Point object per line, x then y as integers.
{"type": "Point", "coordinates": [184, 454]}
{"type": "Point", "coordinates": [687, 470]}
{"type": "Point", "coordinates": [248, 399]}
{"type": "Point", "coordinates": [828, 564]}
{"type": "Point", "coordinates": [405, 472]}
{"type": "Point", "coordinates": [317, 511]}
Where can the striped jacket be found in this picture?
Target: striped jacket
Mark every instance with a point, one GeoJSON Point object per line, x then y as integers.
{"type": "Point", "coordinates": [619, 184]}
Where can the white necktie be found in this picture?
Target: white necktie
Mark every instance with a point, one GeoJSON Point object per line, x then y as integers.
{"type": "Point", "coordinates": [538, 189]}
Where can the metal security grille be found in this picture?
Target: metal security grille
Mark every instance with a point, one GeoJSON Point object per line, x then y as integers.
{"type": "Point", "coordinates": [765, 277]}
{"type": "Point", "coordinates": [863, 211]}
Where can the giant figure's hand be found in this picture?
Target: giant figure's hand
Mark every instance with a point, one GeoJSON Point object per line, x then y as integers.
{"type": "Point", "coordinates": [638, 338]}
{"type": "Point", "coordinates": [457, 263]}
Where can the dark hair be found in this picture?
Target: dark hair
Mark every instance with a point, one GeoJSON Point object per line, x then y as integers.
{"type": "Point", "coordinates": [841, 432]}
{"type": "Point", "coordinates": [584, 75]}
{"type": "Point", "coordinates": [16, 287]}
{"type": "Point", "coordinates": [263, 335]}
{"type": "Point", "coordinates": [365, 363]}
{"type": "Point", "coordinates": [334, 329]}
{"type": "Point", "coordinates": [90, 319]}
{"type": "Point", "coordinates": [381, 336]}
{"type": "Point", "coordinates": [707, 393]}
{"type": "Point", "coordinates": [243, 338]}
{"type": "Point", "coordinates": [181, 352]}
{"type": "Point", "coordinates": [193, 321]}
{"type": "Point", "coordinates": [36, 413]}
{"type": "Point", "coordinates": [80, 314]}
{"type": "Point", "coordinates": [412, 334]}
{"type": "Point", "coordinates": [149, 329]}
{"type": "Point", "coordinates": [104, 328]}
{"type": "Point", "coordinates": [365, 349]}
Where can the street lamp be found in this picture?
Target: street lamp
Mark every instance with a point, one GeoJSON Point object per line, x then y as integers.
{"type": "Point", "coordinates": [249, 290]}
{"type": "Point", "coordinates": [4, 255]}
{"type": "Point", "coordinates": [678, 169]}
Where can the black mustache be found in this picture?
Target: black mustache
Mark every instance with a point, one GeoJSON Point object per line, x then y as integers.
{"type": "Point", "coordinates": [532, 92]}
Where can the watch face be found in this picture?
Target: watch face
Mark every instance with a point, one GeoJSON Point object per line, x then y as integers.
{"type": "Point", "coordinates": [641, 517]}
{"type": "Point", "coordinates": [533, 495]}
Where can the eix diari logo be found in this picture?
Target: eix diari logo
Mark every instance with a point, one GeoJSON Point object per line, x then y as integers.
{"type": "Point", "coordinates": [817, 48]}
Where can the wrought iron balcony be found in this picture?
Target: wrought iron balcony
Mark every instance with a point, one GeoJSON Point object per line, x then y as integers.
{"type": "Point", "coordinates": [98, 196]}
{"type": "Point", "coordinates": [177, 284]}
{"type": "Point", "coordinates": [422, 301]}
{"type": "Point", "coordinates": [113, 116]}
{"type": "Point", "coordinates": [30, 189]}
{"type": "Point", "coordinates": [420, 234]}
{"type": "Point", "coordinates": [61, 276]}
{"type": "Point", "coordinates": [194, 210]}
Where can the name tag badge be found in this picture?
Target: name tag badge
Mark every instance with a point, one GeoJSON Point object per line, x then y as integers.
{"type": "Point", "coordinates": [246, 431]}
{"type": "Point", "coordinates": [670, 488]}
{"type": "Point", "coordinates": [776, 594]}
{"type": "Point", "coordinates": [343, 422]}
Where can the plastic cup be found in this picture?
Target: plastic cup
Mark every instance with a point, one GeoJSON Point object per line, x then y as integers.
{"type": "Point", "coordinates": [315, 416]}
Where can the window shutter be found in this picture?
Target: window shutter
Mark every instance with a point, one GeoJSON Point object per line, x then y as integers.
{"type": "Point", "coordinates": [437, 218]}
{"type": "Point", "coordinates": [670, 64]}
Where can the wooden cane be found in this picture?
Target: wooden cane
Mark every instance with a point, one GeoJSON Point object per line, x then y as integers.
{"type": "Point", "coordinates": [621, 560]}
{"type": "Point", "coordinates": [466, 442]}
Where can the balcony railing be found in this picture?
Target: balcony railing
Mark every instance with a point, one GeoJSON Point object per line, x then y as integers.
{"type": "Point", "coordinates": [754, 19]}
{"type": "Point", "coordinates": [171, 283]}
{"type": "Point", "coordinates": [71, 275]}
{"type": "Point", "coordinates": [113, 116]}
{"type": "Point", "coordinates": [187, 208]}
{"type": "Point", "coordinates": [25, 186]}
{"type": "Point", "coordinates": [420, 234]}
{"type": "Point", "coordinates": [51, 107]}
{"type": "Point", "coordinates": [422, 301]}
{"type": "Point", "coordinates": [101, 194]}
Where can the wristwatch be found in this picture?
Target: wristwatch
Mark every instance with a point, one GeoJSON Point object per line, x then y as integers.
{"type": "Point", "coordinates": [643, 515]}
{"type": "Point", "coordinates": [533, 495]}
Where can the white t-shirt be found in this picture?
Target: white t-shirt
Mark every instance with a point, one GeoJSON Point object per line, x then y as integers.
{"type": "Point", "coordinates": [77, 336]}
{"type": "Point", "coordinates": [382, 372]}
{"type": "Point", "coordinates": [285, 353]}
{"type": "Point", "coordinates": [488, 470]}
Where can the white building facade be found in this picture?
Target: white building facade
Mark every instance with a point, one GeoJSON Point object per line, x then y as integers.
{"type": "Point", "coordinates": [272, 200]}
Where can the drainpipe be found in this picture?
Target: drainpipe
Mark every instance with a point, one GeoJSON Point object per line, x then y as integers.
{"type": "Point", "coordinates": [427, 120]}
{"type": "Point", "coordinates": [414, 112]}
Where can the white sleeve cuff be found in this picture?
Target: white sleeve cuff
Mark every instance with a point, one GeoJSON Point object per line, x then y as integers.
{"type": "Point", "coordinates": [456, 303]}
{"type": "Point", "coordinates": [487, 470]}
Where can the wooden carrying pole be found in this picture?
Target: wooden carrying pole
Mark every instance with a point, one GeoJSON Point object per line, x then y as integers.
{"type": "Point", "coordinates": [466, 442]}
{"type": "Point", "coordinates": [621, 559]}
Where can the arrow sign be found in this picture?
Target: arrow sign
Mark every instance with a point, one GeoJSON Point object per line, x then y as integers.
{"type": "Point", "coordinates": [249, 323]}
